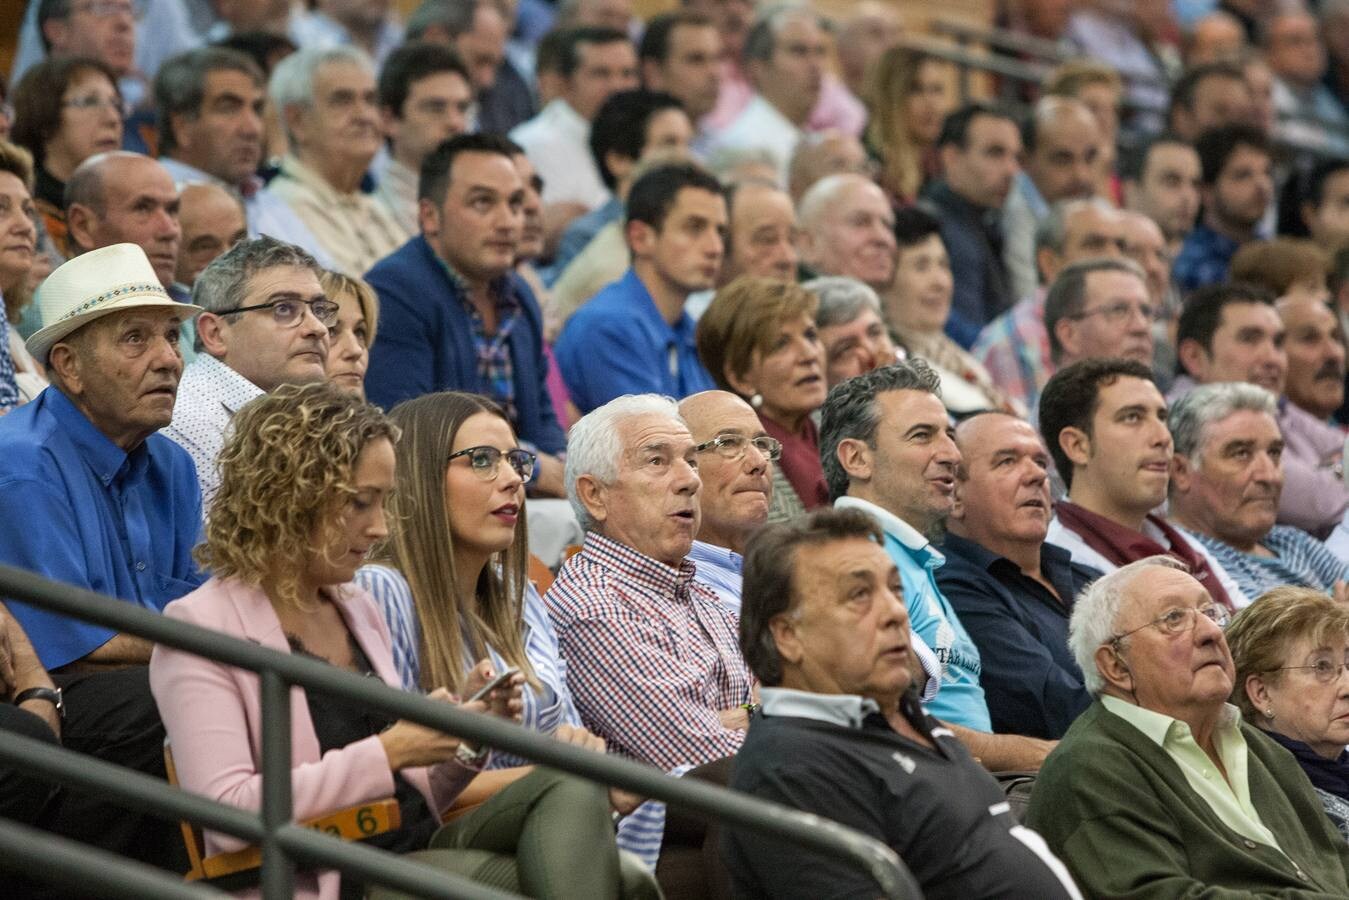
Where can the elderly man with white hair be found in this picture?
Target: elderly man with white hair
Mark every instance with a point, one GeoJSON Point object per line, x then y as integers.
{"type": "Point", "coordinates": [848, 228]}
{"type": "Point", "coordinates": [652, 656]}
{"type": "Point", "coordinates": [1226, 481]}
{"type": "Point", "coordinates": [327, 103]}
{"type": "Point", "coordinates": [1159, 790]}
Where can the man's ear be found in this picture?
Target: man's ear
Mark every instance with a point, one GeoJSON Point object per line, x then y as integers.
{"type": "Point", "coordinates": [856, 458]}
{"type": "Point", "coordinates": [783, 630]}
{"type": "Point", "coordinates": [1182, 473]}
{"type": "Point", "coordinates": [958, 510]}
{"type": "Point", "coordinates": [64, 361]}
{"type": "Point", "coordinates": [1047, 263]}
{"type": "Point", "coordinates": [594, 497]}
{"type": "Point", "coordinates": [641, 239]}
{"type": "Point", "coordinates": [388, 122]}
{"type": "Point", "coordinates": [211, 330]}
{"type": "Point", "coordinates": [1076, 445]}
{"type": "Point", "coordinates": [1065, 330]}
{"type": "Point", "coordinates": [294, 120]}
{"type": "Point", "coordinates": [1193, 358]}
{"type": "Point", "coordinates": [805, 246]}
{"type": "Point", "coordinates": [428, 217]}
{"type": "Point", "coordinates": [1113, 668]}
{"type": "Point", "coordinates": [948, 154]}
{"type": "Point", "coordinates": [81, 226]}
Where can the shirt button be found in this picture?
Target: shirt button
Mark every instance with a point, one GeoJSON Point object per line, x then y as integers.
{"type": "Point", "coordinates": [1302, 875]}
{"type": "Point", "coordinates": [140, 567]}
{"type": "Point", "coordinates": [1250, 844]}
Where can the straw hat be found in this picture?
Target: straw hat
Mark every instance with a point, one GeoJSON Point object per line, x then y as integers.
{"type": "Point", "coordinates": [94, 284]}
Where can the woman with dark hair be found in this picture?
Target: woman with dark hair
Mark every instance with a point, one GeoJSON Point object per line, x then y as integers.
{"type": "Point", "coordinates": [66, 110]}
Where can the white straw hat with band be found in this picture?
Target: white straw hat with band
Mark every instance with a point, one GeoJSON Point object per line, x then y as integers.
{"type": "Point", "coordinates": [94, 284]}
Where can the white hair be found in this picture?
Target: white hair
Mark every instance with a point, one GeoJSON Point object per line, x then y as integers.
{"type": "Point", "coordinates": [1096, 613]}
{"type": "Point", "coordinates": [826, 194]}
{"type": "Point", "coordinates": [594, 446]}
{"type": "Point", "coordinates": [292, 81]}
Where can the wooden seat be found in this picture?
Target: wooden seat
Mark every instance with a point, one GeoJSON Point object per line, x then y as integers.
{"type": "Point", "coordinates": [351, 824]}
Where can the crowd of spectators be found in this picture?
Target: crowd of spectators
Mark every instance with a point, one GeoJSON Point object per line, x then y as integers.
{"type": "Point", "coordinates": [731, 391]}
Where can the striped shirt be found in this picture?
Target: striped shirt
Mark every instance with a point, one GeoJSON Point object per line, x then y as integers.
{"type": "Point", "coordinates": [1299, 559]}
{"type": "Point", "coordinates": [544, 710]}
{"type": "Point", "coordinates": [651, 655]}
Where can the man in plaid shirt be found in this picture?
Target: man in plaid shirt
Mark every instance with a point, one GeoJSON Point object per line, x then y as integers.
{"type": "Point", "coordinates": [652, 657]}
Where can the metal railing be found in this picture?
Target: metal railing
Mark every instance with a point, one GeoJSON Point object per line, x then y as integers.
{"type": "Point", "coordinates": [284, 843]}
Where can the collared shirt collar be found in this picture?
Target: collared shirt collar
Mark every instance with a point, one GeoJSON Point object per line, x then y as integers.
{"type": "Point", "coordinates": [637, 566]}
{"type": "Point", "coordinates": [183, 173]}
{"type": "Point", "coordinates": [103, 457]}
{"type": "Point", "coordinates": [844, 710]}
{"type": "Point", "coordinates": [1159, 726]}
{"type": "Point", "coordinates": [719, 556]}
{"type": "Point", "coordinates": [897, 528]}
{"type": "Point", "coordinates": [498, 287]}
{"type": "Point", "coordinates": [232, 389]}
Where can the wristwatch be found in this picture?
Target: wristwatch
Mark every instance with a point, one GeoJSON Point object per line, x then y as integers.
{"type": "Point", "coordinates": [51, 695]}
{"type": "Point", "coordinates": [470, 758]}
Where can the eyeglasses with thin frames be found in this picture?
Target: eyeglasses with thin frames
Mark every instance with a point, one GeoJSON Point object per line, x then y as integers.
{"type": "Point", "coordinates": [1181, 620]}
{"type": "Point", "coordinates": [1118, 313]}
{"type": "Point", "coordinates": [1323, 670]}
{"type": "Point", "coordinates": [733, 446]}
{"type": "Point", "coordinates": [96, 101]}
{"type": "Point", "coordinates": [288, 313]}
{"type": "Point", "coordinates": [486, 461]}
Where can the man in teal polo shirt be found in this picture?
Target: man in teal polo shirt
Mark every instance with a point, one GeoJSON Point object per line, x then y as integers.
{"type": "Point", "coordinates": [887, 447]}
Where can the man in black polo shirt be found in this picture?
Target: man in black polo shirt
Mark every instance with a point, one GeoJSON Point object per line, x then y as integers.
{"type": "Point", "coordinates": [1012, 591]}
{"type": "Point", "coordinates": [842, 735]}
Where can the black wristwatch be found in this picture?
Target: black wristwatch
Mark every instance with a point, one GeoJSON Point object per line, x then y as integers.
{"type": "Point", "coordinates": [51, 695]}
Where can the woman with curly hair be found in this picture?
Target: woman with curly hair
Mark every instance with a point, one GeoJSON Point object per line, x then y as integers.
{"type": "Point", "coordinates": [305, 478]}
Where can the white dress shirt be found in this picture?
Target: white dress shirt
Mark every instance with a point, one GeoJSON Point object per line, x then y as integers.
{"type": "Point", "coordinates": [761, 126]}
{"type": "Point", "coordinates": [557, 142]}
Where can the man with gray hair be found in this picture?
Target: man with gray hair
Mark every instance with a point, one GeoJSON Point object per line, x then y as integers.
{"type": "Point", "coordinates": [1161, 763]}
{"type": "Point", "coordinates": [327, 103]}
{"type": "Point", "coordinates": [209, 104]}
{"type": "Point", "coordinates": [887, 449]}
{"type": "Point", "coordinates": [264, 323]}
{"type": "Point", "coordinates": [1100, 308]}
{"type": "Point", "coordinates": [1014, 347]}
{"type": "Point", "coordinates": [652, 658]}
{"type": "Point", "coordinates": [784, 57]}
{"type": "Point", "coordinates": [1226, 479]}
{"type": "Point", "coordinates": [848, 228]}
{"type": "Point", "coordinates": [852, 332]}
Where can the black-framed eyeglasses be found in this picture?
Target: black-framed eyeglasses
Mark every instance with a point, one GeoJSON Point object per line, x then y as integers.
{"type": "Point", "coordinates": [733, 446]}
{"type": "Point", "coordinates": [288, 313]}
{"type": "Point", "coordinates": [1180, 620]}
{"type": "Point", "coordinates": [486, 461]}
{"type": "Point", "coordinates": [1323, 670]}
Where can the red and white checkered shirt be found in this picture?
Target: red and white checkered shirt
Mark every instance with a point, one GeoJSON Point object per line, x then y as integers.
{"type": "Point", "coordinates": [650, 654]}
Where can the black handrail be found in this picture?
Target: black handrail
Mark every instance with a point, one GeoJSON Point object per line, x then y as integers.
{"type": "Point", "coordinates": [283, 842]}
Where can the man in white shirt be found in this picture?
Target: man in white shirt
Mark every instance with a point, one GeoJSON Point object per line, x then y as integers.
{"type": "Point", "coordinates": [265, 323]}
{"type": "Point", "coordinates": [594, 63]}
{"type": "Point", "coordinates": [785, 58]}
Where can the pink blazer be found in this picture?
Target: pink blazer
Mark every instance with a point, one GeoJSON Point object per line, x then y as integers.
{"type": "Point", "coordinates": [213, 715]}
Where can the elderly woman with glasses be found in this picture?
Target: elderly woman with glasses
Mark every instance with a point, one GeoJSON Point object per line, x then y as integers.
{"type": "Point", "coordinates": [1291, 648]}
{"type": "Point", "coordinates": [1159, 789]}
{"type": "Point", "coordinates": [758, 340]}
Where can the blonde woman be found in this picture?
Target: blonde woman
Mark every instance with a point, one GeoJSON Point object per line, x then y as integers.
{"type": "Point", "coordinates": [907, 96]}
{"type": "Point", "coordinates": [305, 478]}
{"type": "Point", "coordinates": [349, 340]}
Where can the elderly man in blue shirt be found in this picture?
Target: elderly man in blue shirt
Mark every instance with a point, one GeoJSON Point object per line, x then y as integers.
{"type": "Point", "coordinates": [92, 496]}
{"type": "Point", "coordinates": [635, 336]}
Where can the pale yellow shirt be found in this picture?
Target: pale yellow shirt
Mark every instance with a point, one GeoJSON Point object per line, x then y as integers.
{"type": "Point", "coordinates": [355, 229]}
{"type": "Point", "coordinates": [1229, 798]}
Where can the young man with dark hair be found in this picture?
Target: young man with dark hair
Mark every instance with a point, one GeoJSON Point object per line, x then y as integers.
{"type": "Point", "coordinates": [980, 150]}
{"type": "Point", "coordinates": [1238, 185]}
{"type": "Point", "coordinates": [1207, 96]}
{"type": "Point", "coordinates": [635, 336]}
{"type": "Point", "coordinates": [680, 54]}
{"type": "Point", "coordinates": [454, 315]}
{"type": "Point", "coordinates": [1104, 423]}
{"type": "Point", "coordinates": [425, 98]}
{"type": "Point", "coordinates": [630, 125]}
{"type": "Point", "coordinates": [594, 64]}
{"type": "Point", "coordinates": [1162, 181]}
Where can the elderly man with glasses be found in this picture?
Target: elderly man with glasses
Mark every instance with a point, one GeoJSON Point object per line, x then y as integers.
{"type": "Point", "coordinates": [1160, 775]}
{"type": "Point", "coordinates": [265, 323]}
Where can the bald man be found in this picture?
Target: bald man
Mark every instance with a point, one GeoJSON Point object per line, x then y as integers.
{"type": "Point", "coordinates": [735, 463]}
{"type": "Point", "coordinates": [848, 228]}
{"type": "Point", "coordinates": [212, 220]}
{"type": "Point", "coordinates": [125, 198]}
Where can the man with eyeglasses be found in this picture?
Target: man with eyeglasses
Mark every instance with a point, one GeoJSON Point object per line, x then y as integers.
{"type": "Point", "coordinates": [1100, 308]}
{"type": "Point", "coordinates": [1225, 485]}
{"type": "Point", "coordinates": [1160, 774]}
{"type": "Point", "coordinates": [264, 323]}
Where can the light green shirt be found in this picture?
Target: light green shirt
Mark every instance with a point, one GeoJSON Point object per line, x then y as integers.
{"type": "Point", "coordinates": [1230, 797]}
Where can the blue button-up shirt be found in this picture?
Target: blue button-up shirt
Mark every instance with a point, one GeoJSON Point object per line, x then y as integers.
{"type": "Point", "coordinates": [1203, 259]}
{"type": "Point", "coordinates": [619, 343]}
{"type": "Point", "coordinates": [77, 508]}
{"type": "Point", "coordinates": [720, 569]}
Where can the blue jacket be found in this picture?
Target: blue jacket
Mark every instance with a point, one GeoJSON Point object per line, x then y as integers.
{"type": "Point", "coordinates": [425, 342]}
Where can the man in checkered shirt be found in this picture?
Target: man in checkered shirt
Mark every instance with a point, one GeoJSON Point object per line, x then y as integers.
{"type": "Point", "coordinates": [652, 657]}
